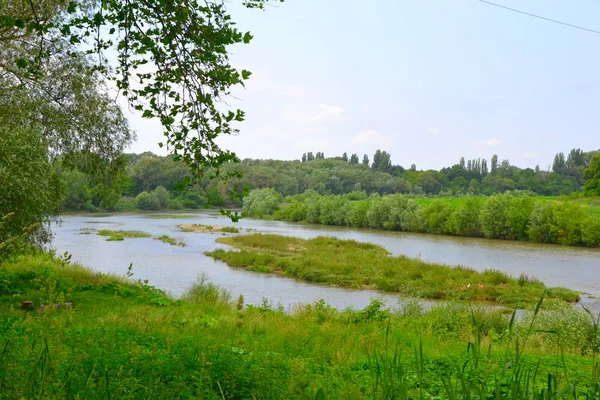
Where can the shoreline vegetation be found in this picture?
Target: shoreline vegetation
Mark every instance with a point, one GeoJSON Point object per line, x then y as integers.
{"type": "Point", "coordinates": [509, 216]}
{"type": "Point", "coordinates": [351, 264]}
{"type": "Point", "coordinates": [119, 338]}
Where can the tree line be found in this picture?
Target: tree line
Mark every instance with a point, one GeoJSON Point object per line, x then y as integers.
{"type": "Point", "coordinates": [144, 173]}
{"type": "Point", "coordinates": [513, 215]}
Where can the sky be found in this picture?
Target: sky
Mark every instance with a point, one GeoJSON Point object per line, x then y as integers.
{"type": "Point", "coordinates": [428, 81]}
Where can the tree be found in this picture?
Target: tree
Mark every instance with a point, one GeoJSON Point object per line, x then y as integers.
{"type": "Point", "coordinates": [345, 157]}
{"type": "Point", "coordinates": [310, 156]}
{"type": "Point", "coordinates": [171, 65]}
{"type": "Point", "coordinates": [304, 157]}
{"type": "Point", "coordinates": [494, 166]}
{"type": "Point", "coordinates": [320, 155]}
{"type": "Point", "coordinates": [353, 159]}
{"type": "Point", "coordinates": [559, 166]}
{"type": "Point", "coordinates": [382, 161]}
{"type": "Point", "coordinates": [147, 172]}
{"type": "Point", "coordinates": [31, 193]}
{"type": "Point", "coordinates": [591, 177]}
{"type": "Point", "coordinates": [365, 160]}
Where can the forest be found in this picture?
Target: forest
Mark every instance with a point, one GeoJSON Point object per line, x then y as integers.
{"type": "Point", "coordinates": [155, 182]}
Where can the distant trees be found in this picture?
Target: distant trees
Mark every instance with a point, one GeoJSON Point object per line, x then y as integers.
{"type": "Point", "coordinates": [591, 176]}
{"type": "Point", "coordinates": [146, 172]}
{"type": "Point", "coordinates": [512, 215]}
{"type": "Point", "coordinates": [559, 166]}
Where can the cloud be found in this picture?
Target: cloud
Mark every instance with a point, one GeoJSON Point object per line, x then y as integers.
{"type": "Point", "coordinates": [433, 132]}
{"type": "Point", "coordinates": [531, 155]}
{"type": "Point", "coordinates": [489, 142]}
{"type": "Point", "coordinates": [371, 137]}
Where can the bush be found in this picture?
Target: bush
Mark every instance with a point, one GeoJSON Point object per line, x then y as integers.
{"type": "Point", "coordinates": [175, 204]}
{"type": "Point", "coordinates": [147, 201]}
{"type": "Point", "coordinates": [163, 196]}
{"type": "Point", "coordinates": [125, 204]}
{"type": "Point", "coordinates": [590, 231]}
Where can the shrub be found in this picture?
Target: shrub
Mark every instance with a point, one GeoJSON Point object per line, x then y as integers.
{"type": "Point", "coordinates": [147, 201]}
{"type": "Point", "coordinates": [175, 204]}
{"type": "Point", "coordinates": [163, 196]}
{"type": "Point", "coordinates": [125, 204]}
{"type": "Point", "coordinates": [590, 231]}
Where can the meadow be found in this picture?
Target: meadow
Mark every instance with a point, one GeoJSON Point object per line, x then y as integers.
{"type": "Point", "coordinates": [102, 336]}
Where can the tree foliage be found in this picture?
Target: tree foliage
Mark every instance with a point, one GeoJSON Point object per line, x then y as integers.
{"type": "Point", "coordinates": [31, 191]}
{"type": "Point", "coordinates": [592, 176]}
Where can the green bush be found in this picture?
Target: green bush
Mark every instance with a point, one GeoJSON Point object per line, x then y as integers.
{"type": "Point", "coordinates": [163, 195]}
{"type": "Point", "coordinates": [175, 204]}
{"type": "Point", "coordinates": [147, 201]}
{"type": "Point", "coordinates": [125, 204]}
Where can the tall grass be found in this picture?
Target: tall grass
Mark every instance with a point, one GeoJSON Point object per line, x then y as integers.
{"type": "Point", "coordinates": [347, 263]}
{"type": "Point", "coordinates": [119, 341]}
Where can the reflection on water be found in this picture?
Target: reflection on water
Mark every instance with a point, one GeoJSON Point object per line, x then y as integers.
{"type": "Point", "coordinates": [174, 269]}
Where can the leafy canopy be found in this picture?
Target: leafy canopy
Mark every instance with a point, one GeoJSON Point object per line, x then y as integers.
{"type": "Point", "coordinates": [171, 64]}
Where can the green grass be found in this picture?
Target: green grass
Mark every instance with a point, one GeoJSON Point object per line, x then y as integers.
{"type": "Point", "coordinates": [347, 263]}
{"type": "Point", "coordinates": [230, 229]}
{"type": "Point", "coordinates": [170, 240]}
{"type": "Point", "coordinates": [121, 235]}
{"type": "Point", "coordinates": [128, 340]}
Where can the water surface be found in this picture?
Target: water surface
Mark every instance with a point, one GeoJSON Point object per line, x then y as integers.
{"type": "Point", "coordinates": [174, 269]}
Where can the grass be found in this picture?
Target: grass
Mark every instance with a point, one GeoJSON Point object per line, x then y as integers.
{"type": "Point", "coordinates": [121, 235]}
{"type": "Point", "coordinates": [127, 340]}
{"type": "Point", "coordinates": [347, 263]}
{"type": "Point", "coordinates": [170, 240]}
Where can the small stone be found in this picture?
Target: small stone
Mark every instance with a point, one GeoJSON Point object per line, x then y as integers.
{"type": "Point", "coordinates": [27, 305]}
{"type": "Point", "coordinates": [68, 304]}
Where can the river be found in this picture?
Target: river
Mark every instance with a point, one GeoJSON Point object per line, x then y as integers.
{"type": "Point", "coordinates": [174, 269]}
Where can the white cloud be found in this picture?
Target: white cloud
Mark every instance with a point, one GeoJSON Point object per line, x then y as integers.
{"type": "Point", "coordinates": [433, 132]}
{"type": "Point", "coordinates": [531, 155]}
{"type": "Point", "coordinates": [371, 137]}
{"type": "Point", "coordinates": [489, 142]}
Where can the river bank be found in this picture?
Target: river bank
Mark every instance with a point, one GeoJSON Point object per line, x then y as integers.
{"type": "Point", "coordinates": [99, 335]}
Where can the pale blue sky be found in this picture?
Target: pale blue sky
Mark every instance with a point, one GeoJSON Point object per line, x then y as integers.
{"type": "Point", "coordinates": [429, 81]}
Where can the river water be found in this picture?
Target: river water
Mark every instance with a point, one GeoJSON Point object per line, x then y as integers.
{"type": "Point", "coordinates": [174, 269]}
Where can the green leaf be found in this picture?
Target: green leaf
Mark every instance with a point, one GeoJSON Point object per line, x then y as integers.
{"type": "Point", "coordinates": [247, 37]}
{"type": "Point", "coordinates": [22, 63]}
{"type": "Point", "coordinates": [246, 74]}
